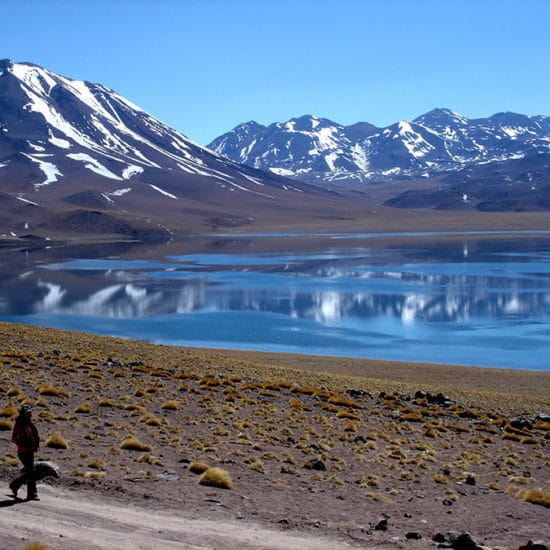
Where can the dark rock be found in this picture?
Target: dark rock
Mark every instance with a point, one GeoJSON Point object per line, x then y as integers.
{"type": "Point", "coordinates": [470, 480]}
{"type": "Point", "coordinates": [316, 464]}
{"type": "Point", "coordinates": [420, 394]}
{"type": "Point", "coordinates": [535, 545]}
{"type": "Point", "coordinates": [466, 542]}
{"type": "Point", "coordinates": [413, 535]}
{"type": "Point", "coordinates": [358, 393]}
{"type": "Point", "coordinates": [447, 502]}
{"type": "Point", "coordinates": [543, 416]}
{"type": "Point", "coordinates": [456, 540]}
{"type": "Point", "coordinates": [520, 423]}
{"type": "Point", "coordinates": [381, 524]}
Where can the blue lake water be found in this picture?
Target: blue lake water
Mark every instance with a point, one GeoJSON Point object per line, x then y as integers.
{"type": "Point", "coordinates": [470, 299]}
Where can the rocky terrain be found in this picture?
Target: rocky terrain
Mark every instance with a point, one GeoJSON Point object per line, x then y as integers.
{"type": "Point", "coordinates": [356, 452]}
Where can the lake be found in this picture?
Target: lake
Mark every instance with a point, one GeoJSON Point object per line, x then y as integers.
{"type": "Point", "coordinates": [471, 299]}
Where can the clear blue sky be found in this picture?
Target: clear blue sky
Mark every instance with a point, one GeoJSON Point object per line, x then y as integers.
{"type": "Point", "coordinates": [204, 66]}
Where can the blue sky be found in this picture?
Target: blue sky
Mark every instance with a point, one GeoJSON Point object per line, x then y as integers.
{"type": "Point", "coordinates": [204, 66]}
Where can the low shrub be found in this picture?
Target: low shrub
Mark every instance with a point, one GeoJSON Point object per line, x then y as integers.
{"type": "Point", "coordinates": [132, 443]}
{"type": "Point", "coordinates": [56, 441]}
{"type": "Point", "coordinates": [216, 477]}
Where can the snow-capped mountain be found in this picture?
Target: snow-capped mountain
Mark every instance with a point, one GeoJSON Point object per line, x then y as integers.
{"type": "Point", "coordinates": [67, 143]}
{"type": "Point", "coordinates": [319, 150]}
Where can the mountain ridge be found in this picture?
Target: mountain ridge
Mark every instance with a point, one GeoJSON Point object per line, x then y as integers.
{"type": "Point", "coordinates": [71, 142]}
{"type": "Point", "coordinates": [314, 149]}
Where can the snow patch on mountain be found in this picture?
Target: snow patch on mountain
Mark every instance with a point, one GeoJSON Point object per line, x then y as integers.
{"type": "Point", "coordinates": [49, 169]}
{"type": "Point", "coordinates": [93, 165]}
{"type": "Point", "coordinates": [23, 199]}
{"type": "Point", "coordinates": [413, 141]}
{"type": "Point", "coordinates": [131, 171]}
{"type": "Point", "coordinates": [162, 192]}
{"type": "Point", "coordinates": [120, 192]}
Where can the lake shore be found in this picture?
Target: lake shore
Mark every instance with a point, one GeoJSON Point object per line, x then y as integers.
{"type": "Point", "coordinates": [314, 446]}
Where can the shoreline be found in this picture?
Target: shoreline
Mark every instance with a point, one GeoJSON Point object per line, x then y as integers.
{"type": "Point", "coordinates": [401, 375]}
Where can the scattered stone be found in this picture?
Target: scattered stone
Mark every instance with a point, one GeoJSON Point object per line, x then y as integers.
{"type": "Point", "coordinates": [535, 545]}
{"type": "Point", "coordinates": [169, 475]}
{"type": "Point", "coordinates": [456, 540]}
{"type": "Point", "coordinates": [520, 423]}
{"type": "Point", "coordinates": [316, 464]}
{"type": "Point", "coordinates": [470, 479]}
{"type": "Point", "coordinates": [358, 393]}
{"type": "Point", "coordinates": [447, 502]}
{"type": "Point", "coordinates": [413, 535]}
{"type": "Point", "coordinates": [381, 524]}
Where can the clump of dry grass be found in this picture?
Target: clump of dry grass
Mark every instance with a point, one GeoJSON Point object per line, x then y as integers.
{"type": "Point", "coordinates": [197, 467]}
{"type": "Point", "coordinates": [36, 546]}
{"type": "Point", "coordinates": [97, 464]}
{"type": "Point", "coordinates": [534, 496]}
{"type": "Point", "coordinates": [171, 405]}
{"type": "Point", "coordinates": [216, 477]}
{"type": "Point", "coordinates": [48, 389]}
{"type": "Point", "coordinates": [537, 496]}
{"type": "Point", "coordinates": [56, 441]}
{"type": "Point", "coordinates": [83, 408]}
{"type": "Point", "coordinates": [6, 425]}
{"type": "Point", "coordinates": [9, 411]}
{"type": "Point", "coordinates": [132, 443]}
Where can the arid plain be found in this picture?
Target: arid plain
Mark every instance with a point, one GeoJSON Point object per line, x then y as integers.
{"type": "Point", "coordinates": [360, 453]}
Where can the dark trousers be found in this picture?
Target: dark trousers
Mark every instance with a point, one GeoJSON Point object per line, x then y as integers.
{"type": "Point", "coordinates": [28, 474]}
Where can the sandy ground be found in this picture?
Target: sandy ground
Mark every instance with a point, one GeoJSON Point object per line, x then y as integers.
{"type": "Point", "coordinates": [68, 519]}
{"type": "Point", "coordinates": [321, 452]}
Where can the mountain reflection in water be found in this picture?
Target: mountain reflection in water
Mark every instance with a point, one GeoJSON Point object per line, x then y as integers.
{"type": "Point", "coordinates": [489, 300]}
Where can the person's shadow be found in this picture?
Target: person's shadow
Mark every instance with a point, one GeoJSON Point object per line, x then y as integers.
{"type": "Point", "coordinates": [10, 502]}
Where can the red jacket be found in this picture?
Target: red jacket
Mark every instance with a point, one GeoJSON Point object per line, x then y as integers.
{"type": "Point", "coordinates": [25, 436]}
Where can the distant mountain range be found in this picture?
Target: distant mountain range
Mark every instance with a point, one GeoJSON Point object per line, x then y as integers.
{"type": "Point", "coordinates": [76, 158]}
{"type": "Point", "coordinates": [497, 163]}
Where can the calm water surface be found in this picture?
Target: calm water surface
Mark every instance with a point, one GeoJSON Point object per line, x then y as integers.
{"type": "Point", "coordinates": [467, 300]}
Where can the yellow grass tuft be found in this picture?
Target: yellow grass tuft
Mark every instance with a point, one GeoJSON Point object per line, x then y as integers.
{"type": "Point", "coordinates": [132, 443]}
{"type": "Point", "coordinates": [344, 402]}
{"type": "Point", "coordinates": [6, 425]}
{"type": "Point", "coordinates": [347, 414]}
{"type": "Point", "coordinates": [216, 477]}
{"type": "Point", "coordinates": [537, 496]}
{"type": "Point", "coordinates": [83, 408]}
{"type": "Point", "coordinates": [48, 389]}
{"type": "Point", "coordinates": [10, 410]}
{"type": "Point", "coordinates": [36, 546]}
{"type": "Point", "coordinates": [106, 402]}
{"type": "Point", "coordinates": [97, 464]}
{"type": "Point", "coordinates": [56, 441]}
{"type": "Point", "coordinates": [197, 467]}
{"type": "Point", "coordinates": [171, 405]}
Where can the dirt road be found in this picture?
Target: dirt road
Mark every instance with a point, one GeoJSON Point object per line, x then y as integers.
{"type": "Point", "coordinates": [66, 519]}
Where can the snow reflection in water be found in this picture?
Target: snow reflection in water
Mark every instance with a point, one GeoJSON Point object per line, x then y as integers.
{"type": "Point", "coordinates": [488, 306]}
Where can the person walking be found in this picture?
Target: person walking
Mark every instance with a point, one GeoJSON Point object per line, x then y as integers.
{"type": "Point", "coordinates": [25, 436]}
